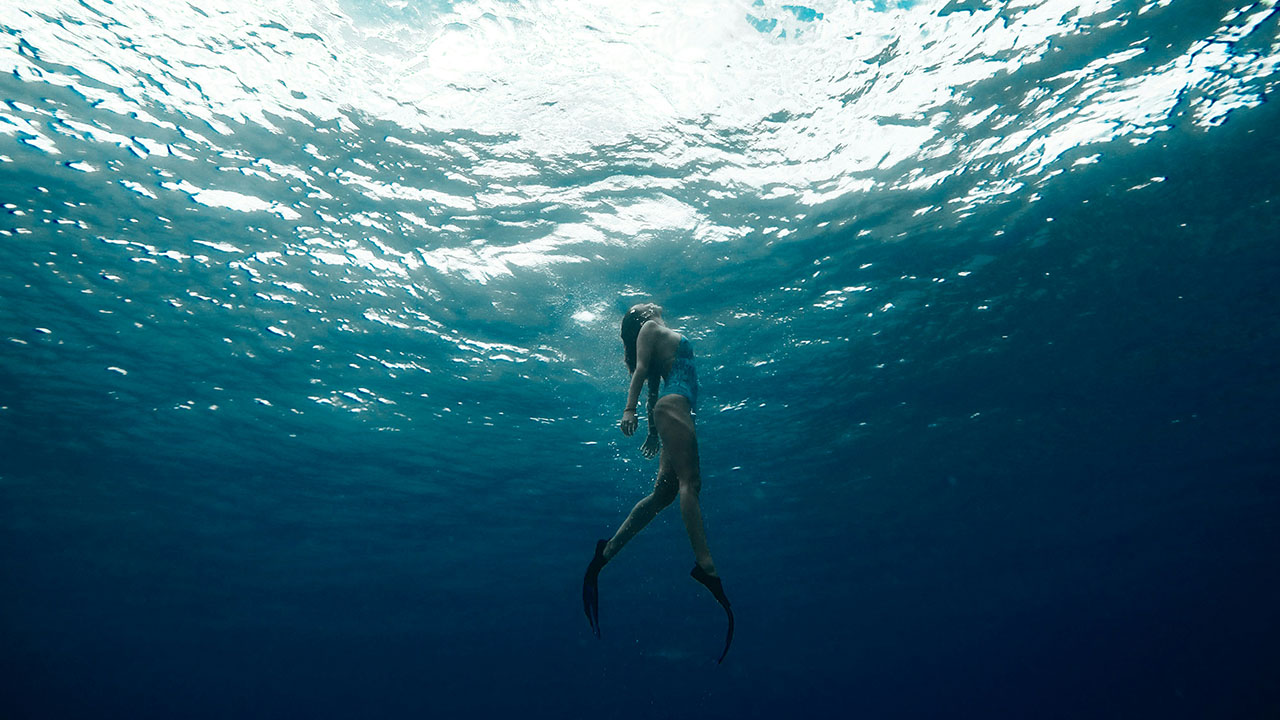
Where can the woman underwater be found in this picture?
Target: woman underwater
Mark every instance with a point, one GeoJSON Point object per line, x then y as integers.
{"type": "Point", "coordinates": [654, 352]}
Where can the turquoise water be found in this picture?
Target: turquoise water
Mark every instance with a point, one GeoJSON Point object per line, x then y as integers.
{"type": "Point", "coordinates": [310, 372]}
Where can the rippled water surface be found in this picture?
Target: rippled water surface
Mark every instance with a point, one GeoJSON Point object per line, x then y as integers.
{"type": "Point", "coordinates": [309, 369]}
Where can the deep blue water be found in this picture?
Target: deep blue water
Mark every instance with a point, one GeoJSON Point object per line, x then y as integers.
{"type": "Point", "coordinates": [309, 368]}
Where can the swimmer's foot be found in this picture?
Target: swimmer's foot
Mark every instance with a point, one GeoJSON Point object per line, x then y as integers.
{"type": "Point", "coordinates": [713, 584]}
{"type": "Point", "coordinates": [590, 590]}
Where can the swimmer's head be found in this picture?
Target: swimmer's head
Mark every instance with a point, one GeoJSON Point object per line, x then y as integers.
{"type": "Point", "coordinates": [635, 318]}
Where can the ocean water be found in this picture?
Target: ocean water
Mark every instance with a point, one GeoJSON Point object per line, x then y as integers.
{"type": "Point", "coordinates": [310, 371]}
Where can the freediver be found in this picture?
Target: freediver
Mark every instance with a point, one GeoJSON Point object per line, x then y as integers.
{"type": "Point", "coordinates": [653, 352]}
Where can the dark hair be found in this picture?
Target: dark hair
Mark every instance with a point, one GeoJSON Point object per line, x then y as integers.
{"type": "Point", "coordinates": [635, 319]}
{"type": "Point", "coordinates": [631, 324]}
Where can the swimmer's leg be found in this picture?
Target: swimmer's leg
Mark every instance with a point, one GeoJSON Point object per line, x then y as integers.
{"type": "Point", "coordinates": [664, 492]}
{"type": "Point", "coordinates": [704, 570]}
{"type": "Point", "coordinates": [691, 512]}
{"type": "Point", "coordinates": [681, 440]}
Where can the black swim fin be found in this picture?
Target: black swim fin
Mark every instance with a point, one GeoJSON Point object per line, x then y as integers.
{"type": "Point", "coordinates": [590, 589]}
{"type": "Point", "coordinates": [717, 589]}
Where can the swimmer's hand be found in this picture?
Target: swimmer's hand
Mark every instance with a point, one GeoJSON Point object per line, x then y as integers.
{"type": "Point", "coordinates": [629, 422]}
{"type": "Point", "coordinates": [651, 446]}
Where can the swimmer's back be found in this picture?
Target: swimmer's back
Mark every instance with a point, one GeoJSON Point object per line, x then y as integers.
{"type": "Point", "coordinates": [665, 344]}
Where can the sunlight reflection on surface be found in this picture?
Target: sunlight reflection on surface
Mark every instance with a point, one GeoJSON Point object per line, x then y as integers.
{"type": "Point", "coordinates": [393, 162]}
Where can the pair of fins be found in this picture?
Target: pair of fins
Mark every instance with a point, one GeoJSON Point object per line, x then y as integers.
{"type": "Point", "coordinates": [591, 594]}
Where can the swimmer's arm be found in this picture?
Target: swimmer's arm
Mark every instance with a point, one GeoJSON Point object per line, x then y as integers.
{"type": "Point", "coordinates": [651, 444]}
{"type": "Point", "coordinates": [648, 413]}
{"type": "Point", "coordinates": [644, 348]}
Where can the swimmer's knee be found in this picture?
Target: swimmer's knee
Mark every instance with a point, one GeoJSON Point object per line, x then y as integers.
{"type": "Point", "coordinates": [665, 490]}
{"type": "Point", "coordinates": [692, 483]}
{"type": "Point", "coordinates": [666, 497]}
